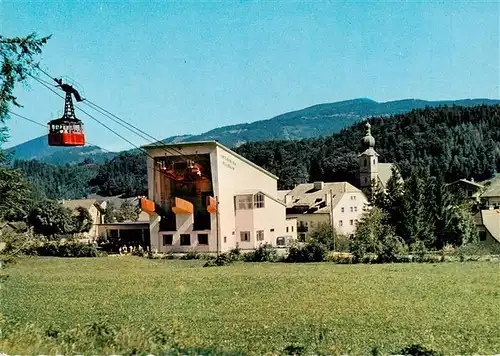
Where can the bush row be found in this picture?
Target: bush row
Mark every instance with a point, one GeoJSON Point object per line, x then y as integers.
{"type": "Point", "coordinates": [62, 249]}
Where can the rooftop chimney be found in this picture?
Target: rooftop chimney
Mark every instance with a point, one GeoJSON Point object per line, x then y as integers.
{"type": "Point", "coordinates": [319, 185]}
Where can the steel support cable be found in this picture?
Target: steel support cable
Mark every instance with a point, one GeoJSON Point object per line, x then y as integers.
{"type": "Point", "coordinates": [156, 141]}
{"type": "Point", "coordinates": [93, 118]}
{"type": "Point", "coordinates": [112, 116]}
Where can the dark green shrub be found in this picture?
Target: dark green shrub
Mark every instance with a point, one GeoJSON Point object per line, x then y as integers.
{"type": "Point", "coordinates": [222, 259]}
{"type": "Point", "coordinates": [264, 253]}
{"type": "Point", "coordinates": [191, 255]}
{"type": "Point", "coordinates": [58, 249]}
{"type": "Point", "coordinates": [418, 350]}
{"type": "Point", "coordinates": [419, 250]}
{"type": "Point", "coordinates": [236, 254]}
{"type": "Point", "coordinates": [311, 252]}
{"type": "Point", "coordinates": [392, 247]}
{"type": "Point", "coordinates": [479, 249]}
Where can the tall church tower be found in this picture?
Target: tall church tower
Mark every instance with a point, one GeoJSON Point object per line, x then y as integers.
{"type": "Point", "coordinates": [368, 160]}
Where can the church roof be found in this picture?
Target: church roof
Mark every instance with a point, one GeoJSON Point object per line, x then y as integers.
{"type": "Point", "coordinates": [384, 173]}
{"type": "Point", "coordinates": [369, 152]}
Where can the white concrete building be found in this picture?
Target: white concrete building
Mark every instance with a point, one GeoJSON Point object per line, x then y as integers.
{"type": "Point", "coordinates": [202, 196]}
{"type": "Point", "coordinates": [339, 204]}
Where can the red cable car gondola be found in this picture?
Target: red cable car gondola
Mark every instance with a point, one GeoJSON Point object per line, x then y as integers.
{"type": "Point", "coordinates": [67, 130]}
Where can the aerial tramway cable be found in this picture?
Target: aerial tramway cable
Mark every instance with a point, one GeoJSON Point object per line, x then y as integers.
{"type": "Point", "coordinates": [44, 126]}
{"type": "Point", "coordinates": [120, 121]}
{"type": "Point", "coordinates": [193, 171]}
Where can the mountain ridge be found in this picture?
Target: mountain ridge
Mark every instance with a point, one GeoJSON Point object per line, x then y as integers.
{"type": "Point", "coordinates": [313, 121]}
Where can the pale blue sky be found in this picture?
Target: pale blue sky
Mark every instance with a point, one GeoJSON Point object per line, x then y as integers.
{"type": "Point", "coordinates": [187, 67]}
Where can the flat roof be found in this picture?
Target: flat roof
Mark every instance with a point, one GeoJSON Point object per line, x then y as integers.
{"type": "Point", "coordinates": [210, 143]}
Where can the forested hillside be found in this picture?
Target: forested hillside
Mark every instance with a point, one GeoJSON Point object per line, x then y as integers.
{"type": "Point", "coordinates": [312, 122]}
{"type": "Point", "coordinates": [454, 142]}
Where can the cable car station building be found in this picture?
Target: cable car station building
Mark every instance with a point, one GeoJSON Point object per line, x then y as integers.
{"type": "Point", "coordinates": [204, 197]}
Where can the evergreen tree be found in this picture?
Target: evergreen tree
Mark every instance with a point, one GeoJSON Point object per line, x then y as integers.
{"type": "Point", "coordinates": [394, 199]}
{"type": "Point", "coordinates": [416, 223]}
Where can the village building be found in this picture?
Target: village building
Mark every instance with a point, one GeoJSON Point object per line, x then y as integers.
{"type": "Point", "coordinates": [469, 188]}
{"type": "Point", "coordinates": [204, 197]}
{"type": "Point", "coordinates": [129, 231]}
{"type": "Point", "coordinates": [95, 210]}
{"type": "Point", "coordinates": [337, 204]}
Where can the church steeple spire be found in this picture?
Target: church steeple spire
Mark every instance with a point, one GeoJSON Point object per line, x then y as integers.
{"type": "Point", "coordinates": [368, 141]}
{"type": "Point", "coordinates": [368, 159]}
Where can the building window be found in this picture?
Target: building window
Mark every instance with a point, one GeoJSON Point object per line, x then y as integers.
{"type": "Point", "coordinates": [244, 202]}
{"type": "Point", "coordinates": [342, 209]}
{"type": "Point", "coordinates": [245, 236]}
{"type": "Point", "coordinates": [225, 239]}
{"type": "Point", "coordinates": [351, 222]}
{"type": "Point", "coordinates": [353, 197]}
{"type": "Point", "coordinates": [356, 208]}
{"type": "Point", "coordinates": [202, 239]}
{"type": "Point", "coordinates": [272, 230]}
{"type": "Point", "coordinates": [292, 228]}
{"type": "Point", "coordinates": [341, 223]}
{"type": "Point", "coordinates": [185, 239]}
{"type": "Point", "coordinates": [352, 209]}
{"type": "Point", "coordinates": [167, 240]}
{"type": "Point", "coordinates": [260, 235]}
{"type": "Point", "coordinates": [258, 200]}
{"type": "Point", "coordinates": [302, 237]}
{"type": "Point", "coordinates": [287, 229]}
{"type": "Point", "coordinates": [374, 161]}
{"type": "Point", "coordinates": [366, 162]}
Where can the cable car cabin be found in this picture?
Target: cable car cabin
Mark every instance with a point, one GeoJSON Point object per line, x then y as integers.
{"type": "Point", "coordinates": [66, 132]}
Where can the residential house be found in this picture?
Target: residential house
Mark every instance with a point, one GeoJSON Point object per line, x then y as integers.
{"type": "Point", "coordinates": [488, 225]}
{"type": "Point", "coordinates": [131, 232]}
{"type": "Point", "coordinates": [96, 212]}
{"type": "Point", "coordinates": [202, 196]}
{"type": "Point", "coordinates": [338, 204]}
{"type": "Point", "coordinates": [469, 188]}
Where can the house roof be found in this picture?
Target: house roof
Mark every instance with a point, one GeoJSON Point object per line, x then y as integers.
{"type": "Point", "coordinates": [491, 221]}
{"type": "Point", "coordinates": [492, 190]}
{"type": "Point", "coordinates": [14, 225]}
{"type": "Point", "coordinates": [282, 193]}
{"type": "Point", "coordinates": [255, 191]}
{"type": "Point", "coordinates": [84, 203]}
{"type": "Point", "coordinates": [306, 195]}
{"type": "Point", "coordinates": [210, 143]}
{"type": "Point", "coordinates": [466, 181]}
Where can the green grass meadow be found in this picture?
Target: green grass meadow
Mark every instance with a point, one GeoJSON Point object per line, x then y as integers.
{"type": "Point", "coordinates": [259, 308]}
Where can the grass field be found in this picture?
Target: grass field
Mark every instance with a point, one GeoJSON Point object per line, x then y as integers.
{"type": "Point", "coordinates": [262, 308]}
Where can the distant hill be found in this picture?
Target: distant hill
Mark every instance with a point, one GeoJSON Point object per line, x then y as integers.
{"type": "Point", "coordinates": [315, 121]}
{"type": "Point", "coordinates": [39, 149]}
{"type": "Point", "coordinates": [318, 120]}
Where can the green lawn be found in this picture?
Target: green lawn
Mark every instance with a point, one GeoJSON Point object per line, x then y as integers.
{"type": "Point", "coordinates": [257, 308]}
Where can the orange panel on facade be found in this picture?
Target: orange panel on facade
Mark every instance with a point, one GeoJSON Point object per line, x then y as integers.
{"type": "Point", "coordinates": [182, 206]}
{"type": "Point", "coordinates": [147, 205]}
{"type": "Point", "coordinates": [211, 205]}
